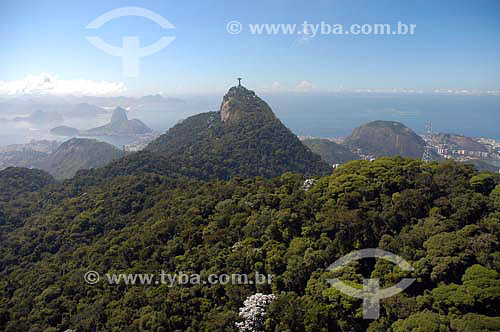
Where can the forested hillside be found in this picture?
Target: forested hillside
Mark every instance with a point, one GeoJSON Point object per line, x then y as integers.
{"type": "Point", "coordinates": [444, 219]}
{"type": "Point", "coordinates": [331, 152]}
{"type": "Point", "coordinates": [244, 138]}
{"type": "Point", "coordinates": [77, 154]}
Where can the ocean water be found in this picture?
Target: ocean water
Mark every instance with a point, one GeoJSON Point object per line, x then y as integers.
{"type": "Point", "coordinates": [322, 115]}
{"type": "Point", "coordinates": [332, 115]}
{"type": "Point", "coordinates": [337, 115]}
{"type": "Point", "coordinates": [20, 132]}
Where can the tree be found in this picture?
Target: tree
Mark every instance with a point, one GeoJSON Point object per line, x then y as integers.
{"type": "Point", "coordinates": [253, 312]}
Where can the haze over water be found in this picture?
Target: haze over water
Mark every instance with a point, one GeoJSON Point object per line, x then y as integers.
{"type": "Point", "coordinates": [321, 115]}
{"type": "Point", "coordinates": [337, 115]}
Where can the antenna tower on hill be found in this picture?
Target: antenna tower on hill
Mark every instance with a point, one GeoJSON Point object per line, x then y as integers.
{"type": "Point", "coordinates": [426, 157]}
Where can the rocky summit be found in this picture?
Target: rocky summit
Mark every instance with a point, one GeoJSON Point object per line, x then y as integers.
{"type": "Point", "coordinates": [240, 102]}
{"type": "Point", "coordinates": [386, 138]}
{"type": "Point", "coordinates": [119, 125]}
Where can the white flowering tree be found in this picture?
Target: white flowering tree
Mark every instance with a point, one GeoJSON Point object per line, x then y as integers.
{"type": "Point", "coordinates": [253, 312]}
{"type": "Point", "coordinates": [308, 183]}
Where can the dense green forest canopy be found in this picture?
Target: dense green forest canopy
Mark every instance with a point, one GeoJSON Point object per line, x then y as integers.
{"type": "Point", "coordinates": [443, 218]}
{"type": "Point", "coordinates": [329, 151]}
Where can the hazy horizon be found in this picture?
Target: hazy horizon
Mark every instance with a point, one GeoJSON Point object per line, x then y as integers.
{"type": "Point", "coordinates": [319, 115]}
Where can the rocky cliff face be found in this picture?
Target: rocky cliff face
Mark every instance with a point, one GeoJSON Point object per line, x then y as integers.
{"type": "Point", "coordinates": [239, 102]}
{"type": "Point", "coordinates": [386, 138]}
{"type": "Point", "coordinates": [119, 117]}
{"type": "Point", "coordinates": [119, 125]}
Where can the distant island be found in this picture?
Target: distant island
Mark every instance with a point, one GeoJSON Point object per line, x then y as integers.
{"type": "Point", "coordinates": [65, 131]}
{"type": "Point", "coordinates": [38, 117]}
{"type": "Point", "coordinates": [120, 125]}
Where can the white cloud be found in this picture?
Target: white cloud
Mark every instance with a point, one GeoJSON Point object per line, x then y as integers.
{"type": "Point", "coordinates": [304, 86]}
{"type": "Point", "coordinates": [45, 83]}
{"type": "Point", "coordinates": [277, 86]}
{"type": "Point", "coordinates": [301, 86]}
{"type": "Point", "coordinates": [274, 87]}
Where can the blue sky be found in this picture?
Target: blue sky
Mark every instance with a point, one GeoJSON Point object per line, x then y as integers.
{"type": "Point", "coordinates": [456, 45]}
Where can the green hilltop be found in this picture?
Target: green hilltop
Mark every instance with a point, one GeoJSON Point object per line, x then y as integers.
{"type": "Point", "coordinates": [244, 138]}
